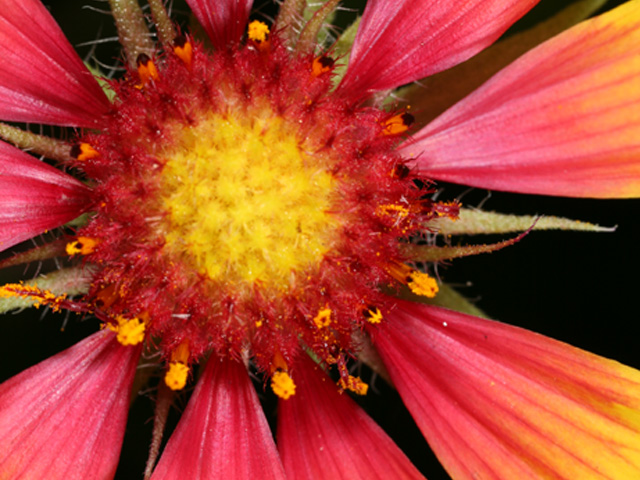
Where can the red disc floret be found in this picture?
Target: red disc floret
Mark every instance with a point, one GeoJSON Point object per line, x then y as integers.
{"type": "Point", "coordinates": [320, 307]}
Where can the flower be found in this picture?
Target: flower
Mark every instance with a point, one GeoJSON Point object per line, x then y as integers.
{"type": "Point", "coordinates": [253, 208]}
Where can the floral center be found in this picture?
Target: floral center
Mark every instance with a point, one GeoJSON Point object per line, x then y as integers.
{"type": "Point", "coordinates": [244, 208]}
{"type": "Point", "coordinates": [244, 202]}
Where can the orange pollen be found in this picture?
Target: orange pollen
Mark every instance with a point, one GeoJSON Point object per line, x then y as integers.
{"type": "Point", "coordinates": [178, 371]}
{"type": "Point", "coordinates": [418, 282]}
{"type": "Point", "coordinates": [81, 246]}
{"type": "Point", "coordinates": [323, 318]}
{"type": "Point", "coordinates": [130, 330]}
{"type": "Point", "coordinates": [83, 151]}
{"type": "Point", "coordinates": [353, 384]}
{"type": "Point", "coordinates": [182, 353]}
{"type": "Point", "coordinates": [146, 69]}
{"type": "Point", "coordinates": [283, 385]}
{"type": "Point", "coordinates": [279, 363]}
{"type": "Point", "coordinates": [183, 49]}
{"type": "Point", "coordinates": [373, 315]}
{"type": "Point", "coordinates": [397, 124]}
{"type": "Point", "coordinates": [321, 64]}
{"type": "Point", "coordinates": [37, 295]}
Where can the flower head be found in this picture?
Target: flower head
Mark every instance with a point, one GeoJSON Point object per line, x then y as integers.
{"type": "Point", "coordinates": [252, 206]}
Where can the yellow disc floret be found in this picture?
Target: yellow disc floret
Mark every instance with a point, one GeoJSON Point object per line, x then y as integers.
{"type": "Point", "coordinates": [244, 202]}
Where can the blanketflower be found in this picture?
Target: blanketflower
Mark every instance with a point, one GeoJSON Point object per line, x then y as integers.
{"type": "Point", "coordinates": [254, 208]}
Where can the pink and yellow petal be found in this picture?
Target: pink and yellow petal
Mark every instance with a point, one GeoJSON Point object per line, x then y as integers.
{"type": "Point", "coordinates": [66, 417]}
{"type": "Point", "coordinates": [223, 433]}
{"type": "Point", "coordinates": [325, 434]}
{"type": "Point", "coordinates": [496, 401]}
{"type": "Point", "coordinates": [561, 120]}
{"type": "Point", "coordinates": [42, 79]}
{"type": "Point", "coordinates": [35, 196]}
{"type": "Point", "coordinates": [402, 41]}
{"type": "Point", "coordinates": [224, 21]}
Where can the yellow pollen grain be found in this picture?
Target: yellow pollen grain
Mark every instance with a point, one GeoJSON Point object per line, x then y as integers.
{"type": "Point", "coordinates": [147, 70]}
{"type": "Point", "coordinates": [130, 331]}
{"type": "Point", "coordinates": [257, 31]}
{"type": "Point", "coordinates": [373, 315]}
{"type": "Point", "coordinates": [422, 284]}
{"type": "Point", "coordinates": [35, 294]}
{"type": "Point", "coordinates": [397, 124]}
{"type": "Point", "coordinates": [176, 376]}
{"type": "Point", "coordinates": [85, 151]}
{"type": "Point", "coordinates": [184, 52]}
{"type": "Point", "coordinates": [354, 384]}
{"type": "Point", "coordinates": [81, 246]}
{"type": "Point", "coordinates": [323, 318]}
{"type": "Point", "coordinates": [392, 209]}
{"type": "Point", "coordinates": [282, 385]}
{"type": "Point", "coordinates": [244, 203]}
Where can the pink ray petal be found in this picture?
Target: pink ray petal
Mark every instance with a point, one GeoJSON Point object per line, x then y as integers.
{"type": "Point", "coordinates": [65, 417]}
{"type": "Point", "coordinates": [34, 196]}
{"type": "Point", "coordinates": [224, 21]}
{"type": "Point", "coordinates": [497, 401]}
{"type": "Point", "coordinates": [561, 120]}
{"type": "Point", "coordinates": [323, 434]}
{"type": "Point", "coordinates": [223, 432]}
{"type": "Point", "coordinates": [402, 41]}
{"type": "Point", "coordinates": [42, 79]}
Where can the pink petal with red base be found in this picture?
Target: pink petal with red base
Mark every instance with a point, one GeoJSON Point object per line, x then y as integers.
{"type": "Point", "coordinates": [224, 21]}
{"type": "Point", "coordinates": [223, 433]}
{"type": "Point", "coordinates": [496, 401]}
{"type": "Point", "coordinates": [402, 41]}
{"type": "Point", "coordinates": [35, 196]}
{"type": "Point", "coordinates": [65, 417]}
{"type": "Point", "coordinates": [324, 434]}
{"type": "Point", "coordinates": [561, 120]}
{"type": "Point", "coordinates": [42, 79]}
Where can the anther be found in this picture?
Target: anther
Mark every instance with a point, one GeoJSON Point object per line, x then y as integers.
{"type": "Point", "coordinates": [183, 49]}
{"type": "Point", "coordinates": [147, 70]}
{"type": "Point", "coordinates": [283, 385]}
{"type": "Point", "coordinates": [321, 64]}
{"type": "Point", "coordinates": [83, 151]}
{"type": "Point", "coordinates": [130, 330]}
{"type": "Point", "coordinates": [372, 314]}
{"type": "Point", "coordinates": [422, 284]}
{"type": "Point", "coordinates": [397, 124]}
{"type": "Point", "coordinates": [323, 318]}
{"type": "Point", "coordinates": [353, 384]}
{"type": "Point", "coordinates": [258, 33]}
{"type": "Point", "coordinates": [81, 246]}
{"type": "Point", "coordinates": [400, 171]}
{"type": "Point", "coordinates": [418, 282]}
{"type": "Point", "coordinates": [178, 372]}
